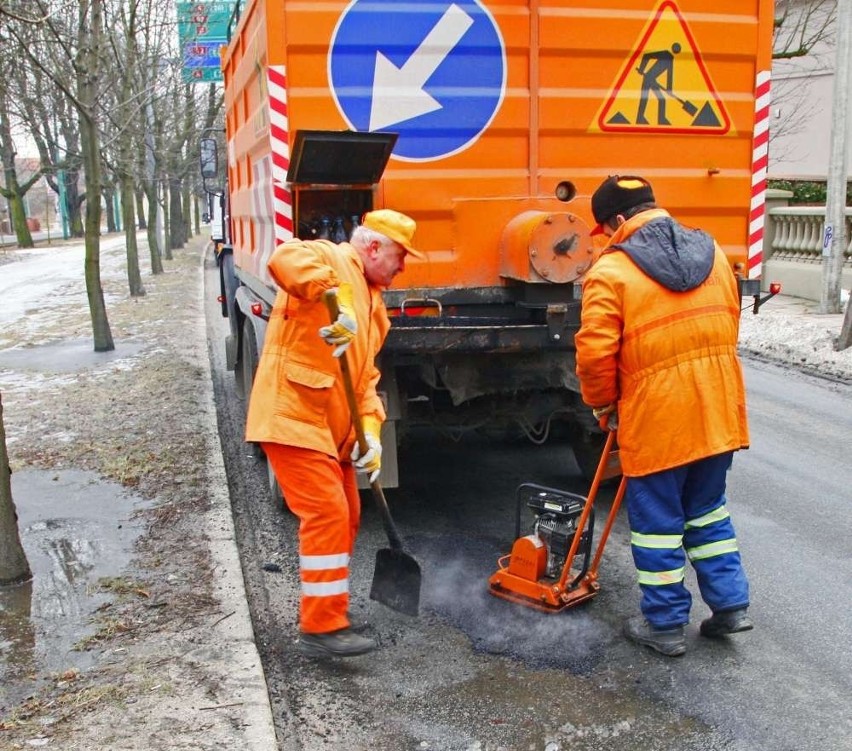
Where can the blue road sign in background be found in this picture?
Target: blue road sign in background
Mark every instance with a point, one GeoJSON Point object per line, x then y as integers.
{"type": "Point", "coordinates": [434, 72]}
{"type": "Point", "coordinates": [202, 54]}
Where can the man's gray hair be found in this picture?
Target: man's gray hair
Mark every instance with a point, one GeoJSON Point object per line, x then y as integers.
{"type": "Point", "coordinates": [362, 237]}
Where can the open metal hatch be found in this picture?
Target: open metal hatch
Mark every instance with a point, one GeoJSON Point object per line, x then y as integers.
{"type": "Point", "coordinates": [327, 157]}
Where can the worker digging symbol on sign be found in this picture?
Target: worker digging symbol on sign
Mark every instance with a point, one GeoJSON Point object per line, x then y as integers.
{"type": "Point", "coordinates": [664, 60]}
{"type": "Point", "coordinates": [663, 65]}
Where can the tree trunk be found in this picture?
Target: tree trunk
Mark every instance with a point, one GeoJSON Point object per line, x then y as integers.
{"type": "Point", "coordinates": [73, 203]}
{"type": "Point", "coordinates": [109, 207]}
{"type": "Point", "coordinates": [187, 211]}
{"type": "Point", "coordinates": [139, 193]}
{"type": "Point", "coordinates": [844, 341]}
{"type": "Point", "coordinates": [153, 238]}
{"type": "Point", "coordinates": [18, 215]}
{"type": "Point", "coordinates": [94, 290]}
{"type": "Point", "coordinates": [134, 277]}
{"type": "Point", "coordinates": [12, 191]}
{"type": "Point", "coordinates": [14, 567]}
{"type": "Point", "coordinates": [177, 230]}
{"type": "Point", "coordinates": [167, 220]}
{"type": "Point", "coordinates": [87, 88]}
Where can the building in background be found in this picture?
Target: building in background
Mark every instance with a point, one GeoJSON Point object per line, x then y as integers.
{"type": "Point", "coordinates": [800, 122]}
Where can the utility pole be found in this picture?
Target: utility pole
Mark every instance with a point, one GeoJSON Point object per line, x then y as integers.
{"type": "Point", "coordinates": [834, 238]}
{"type": "Point", "coordinates": [838, 187]}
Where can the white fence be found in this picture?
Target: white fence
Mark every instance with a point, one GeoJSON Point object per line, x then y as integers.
{"type": "Point", "coordinates": [792, 252]}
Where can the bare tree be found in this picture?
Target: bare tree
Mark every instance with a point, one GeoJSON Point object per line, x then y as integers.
{"type": "Point", "coordinates": [14, 567]}
{"type": "Point", "coordinates": [122, 121]}
{"type": "Point", "coordinates": [13, 188]}
{"type": "Point", "coordinates": [86, 67]}
{"type": "Point", "coordinates": [803, 34]}
{"type": "Point", "coordinates": [801, 26]}
{"type": "Point", "coordinates": [47, 21]}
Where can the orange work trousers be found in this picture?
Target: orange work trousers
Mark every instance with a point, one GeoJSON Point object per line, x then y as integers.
{"type": "Point", "coordinates": [323, 494]}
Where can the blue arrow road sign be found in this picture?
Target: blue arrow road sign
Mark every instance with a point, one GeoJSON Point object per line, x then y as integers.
{"type": "Point", "coordinates": [434, 72]}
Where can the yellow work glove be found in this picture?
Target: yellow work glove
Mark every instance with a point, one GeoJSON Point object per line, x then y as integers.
{"type": "Point", "coordinates": [371, 462]}
{"type": "Point", "coordinates": [607, 417]}
{"type": "Point", "coordinates": [341, 332]}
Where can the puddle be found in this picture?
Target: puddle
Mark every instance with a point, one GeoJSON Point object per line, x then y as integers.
{"type": "Point", "coordinates": [76, 529]}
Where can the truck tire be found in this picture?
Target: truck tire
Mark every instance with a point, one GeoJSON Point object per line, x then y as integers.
{"type": "Point", "coordinates": [248, 359]}
{"type": "Point", "coordinates": [247, 368]}
{"type": "Point", "coordinates": [274, 488]}
{"type": "Point", "coordinates": [588, 447]}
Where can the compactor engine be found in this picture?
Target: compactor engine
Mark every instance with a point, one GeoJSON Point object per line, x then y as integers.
{"type": "Point", "coordinates": [557, 514]}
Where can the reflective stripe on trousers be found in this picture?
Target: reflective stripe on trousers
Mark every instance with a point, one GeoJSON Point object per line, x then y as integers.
{"type": "Point", "coordinates": [323, 494]}
{"type": "Point", "coordinates": [678, 513]}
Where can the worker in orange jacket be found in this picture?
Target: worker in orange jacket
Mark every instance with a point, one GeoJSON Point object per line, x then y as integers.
{"type": "Point", "coordinates": [657, 359]}
{"type": "Point", "coordinates": [299, 414]}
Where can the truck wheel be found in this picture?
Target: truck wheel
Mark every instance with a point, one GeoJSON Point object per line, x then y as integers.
{"type": "Point", "coordinates": [248, 367]}
{"type": "Point", "coordinates": [248, 359]}
{"type": "Point", "coordinates": [588, 447]}
{"type": "Point", "coordinates": [274, 488]}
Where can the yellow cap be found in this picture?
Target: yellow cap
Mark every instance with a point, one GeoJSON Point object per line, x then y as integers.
{"type": "Point", "coordinates": [398, 227]}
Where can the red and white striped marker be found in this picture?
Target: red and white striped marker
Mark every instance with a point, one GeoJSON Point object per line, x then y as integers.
{"type": "Point", "coordinates": [759, 166]}
{"type": "Point", "coordinates": [279, 135]}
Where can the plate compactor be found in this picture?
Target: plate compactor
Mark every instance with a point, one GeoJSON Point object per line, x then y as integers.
{"type": "Point", "coordinates": [540, 572]}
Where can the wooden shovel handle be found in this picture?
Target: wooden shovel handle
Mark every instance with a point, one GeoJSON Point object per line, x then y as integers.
{"type": "Point", "coordinates": [330, 298]}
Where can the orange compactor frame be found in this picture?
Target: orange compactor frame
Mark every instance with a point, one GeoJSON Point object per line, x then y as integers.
{"type": "Point", "coordinates": [491, 123]}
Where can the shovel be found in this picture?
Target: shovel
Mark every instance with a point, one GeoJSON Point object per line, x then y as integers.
{"type": "Point", "coordinates": [396, 579]}
{"type": "Point", "coordinates": [688, 106]}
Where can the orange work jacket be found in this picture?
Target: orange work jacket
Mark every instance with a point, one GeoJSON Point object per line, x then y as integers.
{"type": "Point", "coordinates": [298, 398]}
{"type": "Point", "coordinates": [668, 358]}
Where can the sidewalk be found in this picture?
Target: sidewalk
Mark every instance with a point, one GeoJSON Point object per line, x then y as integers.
{"type": "Point", "coordinates": [167, 659]}
{"type": "Point", "coordinates": [791, 331]}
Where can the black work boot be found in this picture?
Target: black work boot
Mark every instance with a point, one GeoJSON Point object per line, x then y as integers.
{"type": "Point", "coordinates": [342, 643]}
{"type": "Point", "coordinates": [667, 641]}
{"type": "Point", "coordinates": [357, 623]}
{"type": "Point", "coordinates": [727, 622]}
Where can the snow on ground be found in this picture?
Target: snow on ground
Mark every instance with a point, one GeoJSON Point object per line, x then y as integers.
{"type": "Point", "coordinates": [789, 330]}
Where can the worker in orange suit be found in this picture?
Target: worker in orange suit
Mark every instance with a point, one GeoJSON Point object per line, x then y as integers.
{"type": "Point", "coordinates": [299, 414]}
{"type": "Point", "coordinates": [657, 359]}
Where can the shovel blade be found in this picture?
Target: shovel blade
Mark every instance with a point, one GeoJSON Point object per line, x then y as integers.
{"type": "Point", "coordinates": [396, 581]}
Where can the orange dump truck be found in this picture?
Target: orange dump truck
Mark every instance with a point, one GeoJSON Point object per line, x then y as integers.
{"type": "Point", "coordinates": [490, 123]}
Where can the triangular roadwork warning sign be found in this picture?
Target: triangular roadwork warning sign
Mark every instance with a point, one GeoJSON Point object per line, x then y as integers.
{"type": "Point", "coordinates": [664, 86]}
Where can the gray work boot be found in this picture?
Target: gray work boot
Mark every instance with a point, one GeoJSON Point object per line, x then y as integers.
{"type": "Point", "coordinates": [727, 622]}
{"type": "Point", "coordinates": [342, 643]}
{"type": "Point", "coordinates": [667, 641]}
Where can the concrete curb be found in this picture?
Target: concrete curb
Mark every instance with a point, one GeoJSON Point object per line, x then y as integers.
{"type": "Point", "coordinates": [243, 676]}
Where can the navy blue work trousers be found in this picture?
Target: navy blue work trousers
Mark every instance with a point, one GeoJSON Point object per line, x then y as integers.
{"type": "Point", "coordinates": [677, 514]}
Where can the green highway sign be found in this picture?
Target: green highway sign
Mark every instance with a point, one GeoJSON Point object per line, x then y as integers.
{"type": "Point", "coordinates": [202, 75]}
{"type": "Point", "coordinates": [204, 20]}
{"type": "Point", "coordinates": [203, 29]}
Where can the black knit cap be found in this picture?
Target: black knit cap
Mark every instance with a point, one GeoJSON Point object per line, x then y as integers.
{"type": "Point", "coordinates": [617, 194]}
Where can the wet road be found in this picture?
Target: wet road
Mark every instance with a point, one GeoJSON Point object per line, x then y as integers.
{"type": "Point", "coordinates": [474, 672]}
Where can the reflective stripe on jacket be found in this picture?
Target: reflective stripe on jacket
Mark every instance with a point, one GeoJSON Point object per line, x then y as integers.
{"type": "Point", "coordinates": [298, 398]}
{"type": "Point", "coordinates": [669, 358]}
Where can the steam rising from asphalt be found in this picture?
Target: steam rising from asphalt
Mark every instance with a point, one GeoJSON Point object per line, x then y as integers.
{"type": "Point", "coordinates": [455, 586]}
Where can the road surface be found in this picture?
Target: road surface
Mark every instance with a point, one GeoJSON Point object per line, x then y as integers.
{"type": "Point", "coordinates": [476, 673]}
